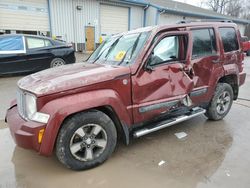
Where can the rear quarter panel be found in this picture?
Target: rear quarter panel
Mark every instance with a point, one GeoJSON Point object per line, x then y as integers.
{"type": "Point", "coordinates": [66, 53]}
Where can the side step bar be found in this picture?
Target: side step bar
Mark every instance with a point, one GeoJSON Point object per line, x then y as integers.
{"type": "Point", "coordinates": [193, 113]}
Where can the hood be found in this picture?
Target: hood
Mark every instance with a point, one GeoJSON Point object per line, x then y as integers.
{"type": "Point", "coordinates": [68, 77]}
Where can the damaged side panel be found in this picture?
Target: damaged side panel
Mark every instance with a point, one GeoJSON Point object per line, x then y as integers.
{"type": "Point", "coordinates": [159, 91]}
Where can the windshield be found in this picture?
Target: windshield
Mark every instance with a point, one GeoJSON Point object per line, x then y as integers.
{"type": "Point", "coordinates": [119, 50]}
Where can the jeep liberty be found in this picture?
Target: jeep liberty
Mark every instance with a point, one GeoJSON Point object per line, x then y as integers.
{"type": "Point", "coordinates": [133, 84]}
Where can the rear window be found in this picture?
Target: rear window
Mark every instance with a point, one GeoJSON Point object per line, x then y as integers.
{"type": "Point", "coordinates": [33, 42]}
{"type": "Point", "coordinates": [229, 39]}
{"type": "Point", "coordinates": [204, 42]}
{"type": "Point", "coordinates": [11, 43]}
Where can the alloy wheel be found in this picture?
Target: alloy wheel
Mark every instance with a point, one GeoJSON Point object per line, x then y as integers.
{"type": "Point", "coordinates": [88, 142]}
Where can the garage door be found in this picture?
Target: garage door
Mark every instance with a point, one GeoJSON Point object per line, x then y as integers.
{"type": "Point", "coordinates": [114, 19]}
{"type": "Point", "coordinates": [29, 15]}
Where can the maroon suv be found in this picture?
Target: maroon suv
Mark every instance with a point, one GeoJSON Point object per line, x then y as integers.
{"type": "Point", "coordinates": [134, 83]}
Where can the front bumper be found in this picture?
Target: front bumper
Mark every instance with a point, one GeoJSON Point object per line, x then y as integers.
{"type": "Point", "coordinates": [25, 133]}
{"type": "Point", "coordinates": [242, 78]}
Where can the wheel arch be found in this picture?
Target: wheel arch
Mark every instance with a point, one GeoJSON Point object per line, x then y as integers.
{"type": "Point", "coordinates": [232, 80]}
{"type": "Point", "coordinates": [63, 108]}
{"type": "Point", "coordinates": [121, 128]}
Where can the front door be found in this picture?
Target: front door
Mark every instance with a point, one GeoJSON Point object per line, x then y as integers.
{"type": "Point", "coordinates": [90, 38]}
{"type": "Point", "coordinates": [162, 84]}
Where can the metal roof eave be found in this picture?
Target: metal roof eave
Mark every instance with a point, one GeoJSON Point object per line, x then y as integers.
{"type": "Point", "coordinates": [134, 2]}
{"type": "Point", "coordinates": [181, 12]}
{"type": "Point", "coordinates": [186, 13]}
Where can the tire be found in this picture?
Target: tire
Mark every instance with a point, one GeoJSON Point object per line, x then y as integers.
{"type": "Point", "coordinates": [248, 52]}
{"type": "Point", "coordinates": [78, 136]}
{"type": "Point", "coordinates": [56, 62]}
{"type": "Point", "coordinates": [221, 102]}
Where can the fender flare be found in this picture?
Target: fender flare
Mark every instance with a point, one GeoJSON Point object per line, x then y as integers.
{"type": "Point", "coordinates": [61, 108]}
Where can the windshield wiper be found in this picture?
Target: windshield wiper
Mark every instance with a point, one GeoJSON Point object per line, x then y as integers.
{"type": "Point", "coordinates": [133, 49]}
{"type": "Point", "coordinates": [109, 47]}
{"type": "Point", "coordinates": [112, 46]}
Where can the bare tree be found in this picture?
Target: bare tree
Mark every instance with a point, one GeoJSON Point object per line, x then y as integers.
{"type": "Point", "coordinates": [234, 8]}
{"type": "Point", "coordinates": [218, 5]}
{"type": "Point", "coordinates": [246, 10]}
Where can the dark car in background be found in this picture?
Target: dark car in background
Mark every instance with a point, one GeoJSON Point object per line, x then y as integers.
{"type": "Point", "coordinates": [30, 53]}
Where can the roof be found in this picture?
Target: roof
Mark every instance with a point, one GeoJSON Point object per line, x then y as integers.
{"type": "Point", "coordinates": [25, 35]}
{"type": "Point", "coordinates": [195, 24]}
{"type": "Point", "coordinates": [169, 6]}
{"type": "Point", "coordinates": [190, 10]}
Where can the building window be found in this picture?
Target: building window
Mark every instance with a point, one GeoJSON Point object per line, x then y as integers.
{"type": "Point", "coordinates": [204, 42]}
{"type": "Point", "coordinates": [229, 39]}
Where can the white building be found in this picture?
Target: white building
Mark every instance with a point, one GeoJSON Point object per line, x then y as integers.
{"type": "Point", "coordinates": [83, 22]}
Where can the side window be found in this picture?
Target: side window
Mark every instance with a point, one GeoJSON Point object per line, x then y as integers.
{"type": "Point", "coordinates": [47, 42]}
{"type": "Point", "coordinates": [229, 39]}
{"type": "Point", "coordinates": [166, 50]}
{"type": "Point", "coordinates": [204, 42]}
{"type": "Point", "coordinates": [33, 42]}
{"type": "Point", "coordinates": [11, 43]}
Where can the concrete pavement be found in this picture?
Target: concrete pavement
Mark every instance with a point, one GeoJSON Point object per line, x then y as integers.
{"type": "Point", "coordinates": [213, 155]}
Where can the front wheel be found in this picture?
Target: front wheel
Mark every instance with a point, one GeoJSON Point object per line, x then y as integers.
{"type": "Point", "coordinates": [86, 140]}
{"type": "Point", "coordinates": [221, 102]}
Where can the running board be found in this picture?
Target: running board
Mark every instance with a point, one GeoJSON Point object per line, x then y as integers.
{"type": "Point", "coordinates": [193, 113]}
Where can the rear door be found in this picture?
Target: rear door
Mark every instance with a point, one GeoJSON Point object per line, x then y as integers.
{"type": "Point", "coordinates": [231, 47]}
{"type": "Point", "coordinates": [206, 63]}
{"type": "Point", "coordinates": [12, 54]}
{"type": "Point", "coordinates": [39, 54]}
{"type": "Point", "coordinates": [162, 83]}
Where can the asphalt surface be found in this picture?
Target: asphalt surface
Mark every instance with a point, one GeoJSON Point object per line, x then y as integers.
{"type": "Point", "coordinates": [213, 154]}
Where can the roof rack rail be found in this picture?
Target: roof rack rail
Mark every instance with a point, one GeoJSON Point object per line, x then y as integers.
{"type": "Point", "coordinates": [204, 20]}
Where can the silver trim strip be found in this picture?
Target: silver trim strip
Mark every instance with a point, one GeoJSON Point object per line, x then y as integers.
{"type": "Point", "coordinates": [158, 106]}
{"type": "Point", "coordinates": [179, 119]}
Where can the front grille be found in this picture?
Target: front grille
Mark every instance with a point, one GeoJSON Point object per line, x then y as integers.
{"type": "Point", "coordinates": [21, 103]}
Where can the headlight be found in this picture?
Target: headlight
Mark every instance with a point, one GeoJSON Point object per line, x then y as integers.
{"type": "Point", "coordinates": [28, 109]}
{"type": "Point", "coordinates": [30, 102]}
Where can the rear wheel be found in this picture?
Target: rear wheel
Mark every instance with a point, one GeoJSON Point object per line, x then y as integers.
{"type": "Point", "coordinates": [86, 140]}
{"type": "Point", "coordinates": [56, 62]}
{"type": "Point", "coordinates": [221, 102]}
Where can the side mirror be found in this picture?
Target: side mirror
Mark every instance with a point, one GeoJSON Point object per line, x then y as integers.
{"type": "Point", "coordinates": [147, 66]}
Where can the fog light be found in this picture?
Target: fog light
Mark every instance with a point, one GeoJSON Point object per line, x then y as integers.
{"type": "Point", "coordinates": [40, 135]}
